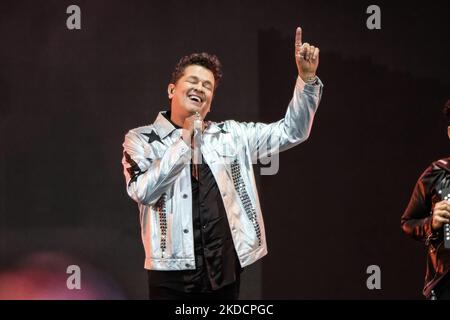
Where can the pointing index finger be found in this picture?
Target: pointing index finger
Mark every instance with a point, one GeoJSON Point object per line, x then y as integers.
{"type": "Point", "coordinates": [298, 36]}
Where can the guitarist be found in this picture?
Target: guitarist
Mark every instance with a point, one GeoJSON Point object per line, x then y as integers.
{"type": "Point", "coordinates": [427, 213]}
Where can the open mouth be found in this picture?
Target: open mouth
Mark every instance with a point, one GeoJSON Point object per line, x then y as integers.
{"type": "Point", "coordinates": [198, 100]}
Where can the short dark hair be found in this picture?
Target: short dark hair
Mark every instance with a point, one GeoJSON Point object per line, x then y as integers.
{"type": "Point", "coordinates": [446, 111]}
{"type": "Point", "coordinates": [204, 59]}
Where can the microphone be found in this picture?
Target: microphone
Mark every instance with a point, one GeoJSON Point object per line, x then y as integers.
{"type": "Point", "coordinates": [197, 141]}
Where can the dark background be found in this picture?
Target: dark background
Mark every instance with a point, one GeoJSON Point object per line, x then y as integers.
{"type": "Point", "coordinates": [67, 97]}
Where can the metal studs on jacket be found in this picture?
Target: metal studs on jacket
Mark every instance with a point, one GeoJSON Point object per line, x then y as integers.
{"type": "Point", "coordinates": [245, 199]}
{"type": "Point", "coordinates": [162, 214]}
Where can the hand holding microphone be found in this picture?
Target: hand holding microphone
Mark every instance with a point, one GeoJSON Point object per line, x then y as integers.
{"type": "Point", "coordinates": [192, 131]}
{"type": "Point", "coordinates": [197, 139]}
{"type": "Point", "coordinates": [192, 123]}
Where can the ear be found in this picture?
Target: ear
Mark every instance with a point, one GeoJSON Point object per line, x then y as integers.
{"type": "Point", "coordinates": [448, 131]}
{"type": "Point", "coordinates": [170, 90]}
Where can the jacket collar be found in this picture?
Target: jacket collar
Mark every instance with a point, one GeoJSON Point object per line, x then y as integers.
{"type": "Point", "coordinates": [163, 126]}
{"type": "Point", "coordinates": [443, 164]}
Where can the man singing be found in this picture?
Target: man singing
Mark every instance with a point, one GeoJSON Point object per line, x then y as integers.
{"type": "Point", "coordinates": [201, 220]}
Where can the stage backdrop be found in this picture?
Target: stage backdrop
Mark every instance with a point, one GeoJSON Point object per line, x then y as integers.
{"type": "Point", "coordinates": [67, 98]}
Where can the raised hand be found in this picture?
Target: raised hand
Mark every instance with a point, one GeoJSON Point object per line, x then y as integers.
{"type": "Point", "coordinates": [306, 57]}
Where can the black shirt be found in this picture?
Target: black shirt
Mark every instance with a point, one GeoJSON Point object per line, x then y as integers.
{"type": "Point", "coordinates": [217, 264]}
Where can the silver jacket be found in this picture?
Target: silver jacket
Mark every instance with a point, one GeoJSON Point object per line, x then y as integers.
{"type": "Point", "coordinates": [156, 164]}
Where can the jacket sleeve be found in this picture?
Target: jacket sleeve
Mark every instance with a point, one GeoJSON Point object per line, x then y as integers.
{"type": "Point", "coordinates": [147, 179]}
{"type": "Point", "coordinates": [416, 220]}
{"type": "Point", "coordinates": [294, 128]}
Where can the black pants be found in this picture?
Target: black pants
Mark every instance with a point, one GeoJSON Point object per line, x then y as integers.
{"type": "Point", "coordinates": [229, 292]}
